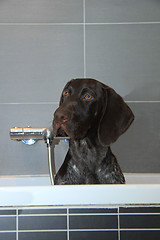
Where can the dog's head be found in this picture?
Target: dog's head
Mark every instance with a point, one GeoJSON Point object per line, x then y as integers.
{"type": "Point", "coordinates": [87, 105]}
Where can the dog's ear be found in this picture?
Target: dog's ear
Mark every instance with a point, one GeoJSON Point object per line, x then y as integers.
{"type": "Point", "coordinates": [61, 99]}
{"type": "Point", "coordinates": [116, 117]}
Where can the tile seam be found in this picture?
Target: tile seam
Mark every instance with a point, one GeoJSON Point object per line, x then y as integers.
{"type": "Point", "coordinates": [67, 223]}
{"type": "Point", "coordinates": [84, 38]}
{"type": "Point", "coordinates": [55, 103]}
{"type": "Point", "coordinates": [119, 235]}
{"type": "Point", "coordinates": [17, 223]}
{"type": "Point", "coordinates": [76, 24]}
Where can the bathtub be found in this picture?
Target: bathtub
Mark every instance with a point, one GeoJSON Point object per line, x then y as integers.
{"type": "Point", "coordinates": [37, 191]}
{"type": "Point", "coordinates": [30, 208]}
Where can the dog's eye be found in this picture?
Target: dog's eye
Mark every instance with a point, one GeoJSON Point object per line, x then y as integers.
{"type": "Point", "coordinates": [87, 97]}
{"type": "Point", "coordinates": [66, 93]}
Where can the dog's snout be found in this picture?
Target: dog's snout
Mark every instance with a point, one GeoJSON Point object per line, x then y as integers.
{"type": "Point", "coordinates": [60, 117]}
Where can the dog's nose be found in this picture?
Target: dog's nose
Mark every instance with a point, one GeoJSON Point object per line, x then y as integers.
{"type": "Point", "coordinates": [60, 117]}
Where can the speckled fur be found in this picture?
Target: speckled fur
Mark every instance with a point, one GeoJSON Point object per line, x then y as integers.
{"type": "Point", "coordinates": [89, 159]}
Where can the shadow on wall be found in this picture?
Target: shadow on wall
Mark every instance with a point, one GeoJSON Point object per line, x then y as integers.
{"type": "Point", "coordinates": [138, 150]}
{"type": "Point", "coordinates": [145, 92]}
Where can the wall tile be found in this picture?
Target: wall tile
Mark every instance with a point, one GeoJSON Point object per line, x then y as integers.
{"type": "Point", "coordinates": [138, 150]}
{"type": "Point", "coordinates": [93, 222]}
{"type": "Point", "coordinates": [122, 11]}
{"type": "Point", "coordinates": [42, 211]}
{"type": "Point", "coordinates": [42, 235]}
{"type": "Point", "coordinates": [125, 57]}
{"type": "Point", "coordinates": [139, 235]}
{"type": "Point", "coordinates": [42, 222]}
{"type": "Point", "coordinates": [38, 11]}
{"type": "Point", "coordinates": [7, 212]}
{"type": "Point", "coordinates": [92, 210]}
{"type": "Point", "coordinates": [8, 236]}
{"type": "Point", "coordinates": [139, 209]}
{"type": "Point", "coordinates": [7, 223]}
{"type": "Point", "coordinates": [37, 61]}
{"type": "Point", "coordinates": [139, 221]}
{"type": "Point", "coordinates": [103, 235]}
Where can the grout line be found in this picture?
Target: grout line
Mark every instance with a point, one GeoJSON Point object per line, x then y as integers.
{"type": "Point", "coordinates": [29, 103]}
{"type": "Point", "coordinates": [138, 214]}
{"type": "Point", "coordinates": [93, 229]}
{"type": "Point", "coordinates": [17, 219]}
{"type": "Point", "coordinates": [84, 38]}
{"type": "Point", "coordinates": [40, 24]}
{"type": "Point", "coordinates": [42, 230]}
{"type": "Point", "coordinates": [43, 215]}
{"type": "Point", "coordinates": [93, 214]}
{"type": "Point", "coordinates": [119, 235]}
{"type": "Point", "coordinates": [123, 23]}
{"type": "Point", "coordinates": [25, 176]}
{"type": "Point", "coordinates": [81, 230]}
{"type": "Point", "coordinates": [84, 214]}
{"type": "Point", "coordinates": [158, 101]}
{"type": "Point", "coordinates": [140, 229]}
{"type": "Point", "coordinates": [56, 103]}
{"type": "Point", "coordinates": [67, 223]}
{"type": "Point", "coordinates": [78, 24]}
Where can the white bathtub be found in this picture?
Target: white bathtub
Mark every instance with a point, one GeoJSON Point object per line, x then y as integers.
{"type": "Point", "coordinates": [32, 191]}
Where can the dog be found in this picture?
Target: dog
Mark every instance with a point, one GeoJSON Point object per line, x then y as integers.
{"type": "Point", "coordinates": [93, 115]}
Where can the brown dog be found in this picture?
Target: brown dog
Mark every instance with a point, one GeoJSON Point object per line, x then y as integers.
{"type": "Point", "coordinates": [93, 115]}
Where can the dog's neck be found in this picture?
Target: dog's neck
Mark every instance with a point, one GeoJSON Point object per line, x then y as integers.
{"type": "Point", "coordinates": [90, 148]}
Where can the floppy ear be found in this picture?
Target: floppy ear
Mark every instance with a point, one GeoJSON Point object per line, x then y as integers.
{"type": "Point", "coordinates": [116, 118]}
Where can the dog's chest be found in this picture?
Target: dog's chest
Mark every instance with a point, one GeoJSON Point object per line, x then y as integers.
{"type": "Point", "coordinates": [86, 154]}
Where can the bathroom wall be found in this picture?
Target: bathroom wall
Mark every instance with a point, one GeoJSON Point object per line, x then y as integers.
{"type": "Point", "coordinates": [44, 43]}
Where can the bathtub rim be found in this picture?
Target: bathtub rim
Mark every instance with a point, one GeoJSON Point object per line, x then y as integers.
{"type": "Point", "coordinates": [92, 195]}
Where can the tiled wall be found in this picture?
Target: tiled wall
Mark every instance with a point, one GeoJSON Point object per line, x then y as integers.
{"type": "Point", "coordinates": [44, 43]}
{"type": "Point", "coordinates": [68, 223]}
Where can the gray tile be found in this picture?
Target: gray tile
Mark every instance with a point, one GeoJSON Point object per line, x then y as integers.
{"type": "Point", "coordinates": [138, 149]}
{"type": "Point", "coordinates": [41, 222]}
{"type": "Point", "coordinates": [93, 222]}
{"type": "Point", "coordinates": [7, 223]}
{"type": "Point", "coordinates": [16, 157]}
{"type": "Point", "coordinates": [42, 211]}
{"type": "Point", "coordinates": [139, 235]}
{"type": "Point", "coordinates": [42, 235]}
{"type": "Point", "coordinates": [7, 236]}
{"type": "Point", "coordinates": [36, 61]}
{"type": "Point", "coordinates": [122, 11]}
{"type": "Point", "coordinates": [103, 235]}
{"type": "Point", "coordinates": [92, 210]}
{"type": "Point", "coordinates": [125, 57]}
{"type": "Point", "coordinates": [139, 221]}
{"type": "Point", "coordinates": [7, 212]}
{"type": "Point", "coordinates": [41, 11]}
{"type": "Point", "coordinates": [139, 210]}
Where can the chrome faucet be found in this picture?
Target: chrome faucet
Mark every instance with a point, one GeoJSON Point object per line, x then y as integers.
{"type": "Point", "coordinates": [29, 136]}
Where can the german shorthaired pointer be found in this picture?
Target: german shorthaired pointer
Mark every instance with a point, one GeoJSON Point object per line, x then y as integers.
{"type": "Point", "coordinates": [93, 115]}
